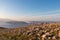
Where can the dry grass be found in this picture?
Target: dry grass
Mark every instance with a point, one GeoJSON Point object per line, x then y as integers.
{"type": "Point", "coordinates": [50, 31]}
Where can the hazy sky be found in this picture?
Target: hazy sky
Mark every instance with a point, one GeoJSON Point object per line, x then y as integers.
{"type": "Point", "coordinates": [30, 9]}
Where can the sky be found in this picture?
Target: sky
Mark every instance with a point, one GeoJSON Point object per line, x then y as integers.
{"type": "Point", "coordinates": [26, 10]}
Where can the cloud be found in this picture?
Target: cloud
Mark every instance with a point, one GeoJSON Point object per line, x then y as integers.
{"type": "Point", "coordinates": [54, 17]}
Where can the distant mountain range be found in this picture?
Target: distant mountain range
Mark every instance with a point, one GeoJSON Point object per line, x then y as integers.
{"type": "Point", "coordinates": [7, 23]}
